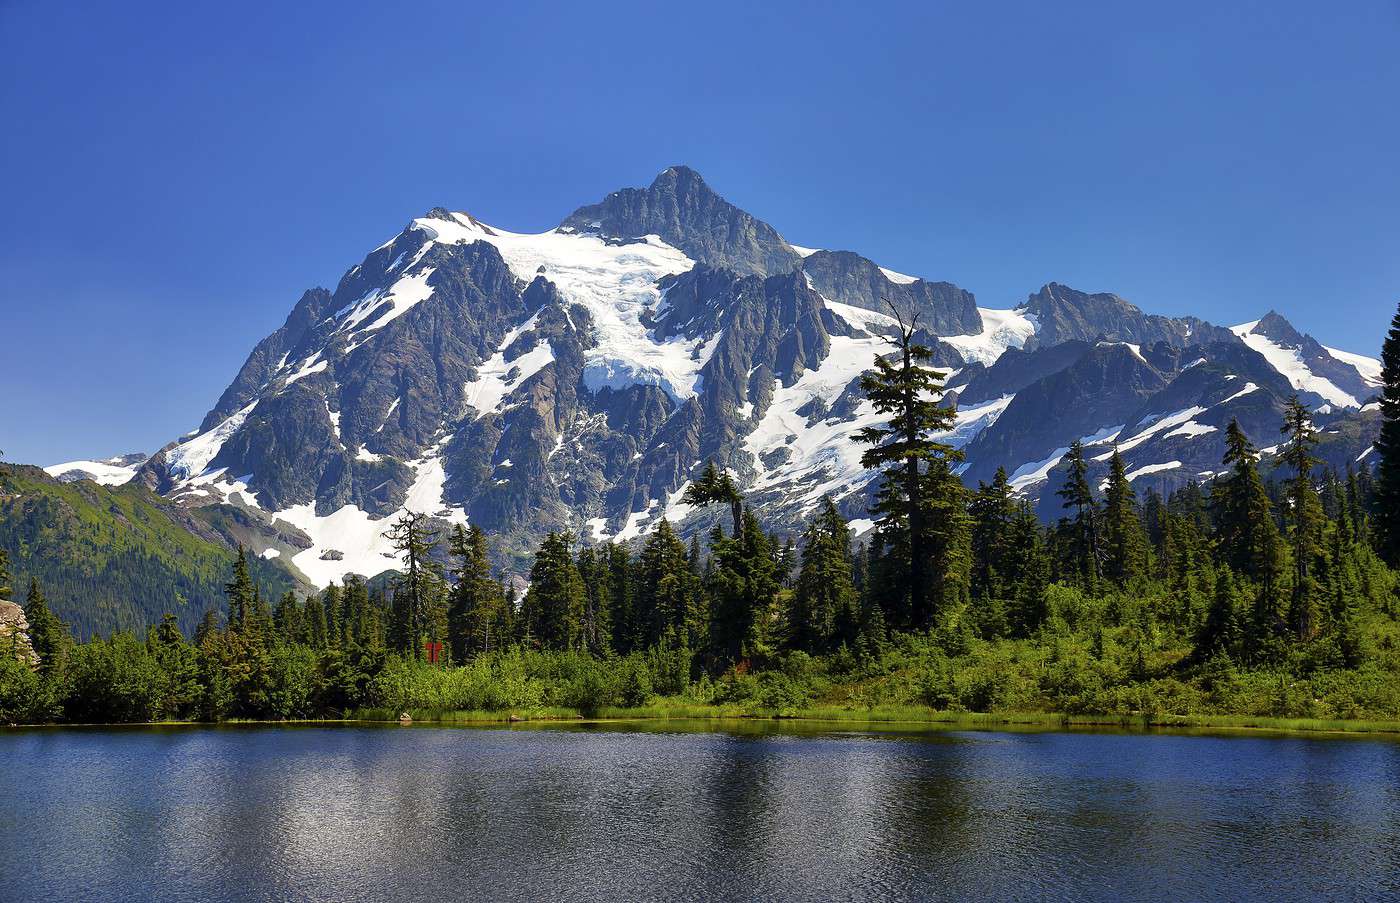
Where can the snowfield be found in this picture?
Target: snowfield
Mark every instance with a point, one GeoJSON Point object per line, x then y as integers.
{"type": "Point", "coordinates": [105, 473]}
{"type": "Point", "coordinates": [615, 282]}
{"type": "Point", "coordinates": [358, 537]}
{"type": "Point", "coordinates": [1289, 363]}
{"type": "Point", "coordinates": [1001, 329]}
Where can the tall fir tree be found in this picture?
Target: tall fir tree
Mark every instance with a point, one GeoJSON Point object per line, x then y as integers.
{"type": "Point", "coordinates": [1246, 537]}
{"type": "Point", "coordinates": [664, 607]}
{"type": "Point", "coordinates": [824, 612]}
{"type": "Point", "coordinates": [596, 623]}
{"type": "Point", "coordinates": [1221, 631]}
{"type": "Point", "coordinates": [993, 511]}
{"type": "Point", "coordinates": [359, 617]}
{"type": "Point", "coordinates": [419, 590]}
{"type": "Point", "coordinates": [743, 588]}
{"type": "Point", "coordinates": [331, 603]}
{"type": "Point", "coordinates": [1125, 544]}
{"type": "Point", "coordinates": [904, 389]}
{"type": "Point", "coordinates": [1306, 519]}
{"type": "Point", "coordinates": [242, 594]}
{"type": "Point", "coordinates": [1386, 509]}
{"type": "Point", "coordinates": [287, 617]}
{"type": "Point", "coordinates": [553, 606]}
{"type": "Point", "coordinates": [622, 611]}
{"type": "Point", "coordinates": [949, 546]}
{"type": "Point", "coordinates": [1084, 546]}
{"type": "Point", "coordinates": [1028, 568]}
{"type": "Point", "coordinates": [314, 621]}
{"type": "Point", "coordinates": [47, 634]}
{"type": "Point", "coordinates": [477, 621]}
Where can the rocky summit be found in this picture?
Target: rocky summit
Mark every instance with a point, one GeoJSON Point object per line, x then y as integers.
{"type": "Point", "coordinates": [581, 377]}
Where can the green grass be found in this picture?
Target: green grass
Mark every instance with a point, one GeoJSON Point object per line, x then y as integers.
{"type": "Point", "coordinates": [469, 716]}
{"type": "Point", "coordinates": [663, 710]}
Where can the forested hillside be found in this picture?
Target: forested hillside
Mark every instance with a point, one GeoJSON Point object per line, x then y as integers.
{"type": "Point", "coordinates": [118, 558]}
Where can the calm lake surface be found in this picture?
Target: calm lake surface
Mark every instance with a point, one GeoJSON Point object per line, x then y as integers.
{"type": "Point", "coordinates": [631, 812]}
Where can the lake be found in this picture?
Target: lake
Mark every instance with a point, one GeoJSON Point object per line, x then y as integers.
{"type": "Point", "coordinates": [628, 812]}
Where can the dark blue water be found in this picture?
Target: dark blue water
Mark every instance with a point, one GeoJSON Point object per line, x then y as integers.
{"type": "Point", "coordinates": [348, 814]}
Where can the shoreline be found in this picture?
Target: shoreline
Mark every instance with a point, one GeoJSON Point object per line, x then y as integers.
{"type": "Point", "coordinates": [903, 719]}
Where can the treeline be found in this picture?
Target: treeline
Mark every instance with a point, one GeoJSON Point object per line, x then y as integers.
{"type": "Point", "coordinates": [1240, 595]}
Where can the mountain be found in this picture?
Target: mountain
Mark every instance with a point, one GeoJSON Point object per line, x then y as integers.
{"type": "Point", "coordinates": [119, 557]}
{"type": "Point", "coordinates": [1063, 314]}
{"type": "Point", "coordinates": [1339, 379]}
{"type": "Point", "coordinates": [580, 377]}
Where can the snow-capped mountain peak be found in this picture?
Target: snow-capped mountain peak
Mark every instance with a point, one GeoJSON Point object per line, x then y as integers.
{"type": "Point", "coordinates": [580, 377]}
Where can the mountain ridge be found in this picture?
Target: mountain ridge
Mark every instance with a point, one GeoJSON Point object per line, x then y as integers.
{"type": "Point", "coordinates": [578, 378]}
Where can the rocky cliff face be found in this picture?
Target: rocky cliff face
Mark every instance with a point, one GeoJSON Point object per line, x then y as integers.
{"type": "Point", "coordinates": [939, 307]}
{"type": "Point", "coordinates": [14, 633]}
{"type": "Point", "coordinates": [680, 209]}
{"type": "Point", "coordinates": [580, 377]}
{"type": "Point", "coordinates": [1064, 314]}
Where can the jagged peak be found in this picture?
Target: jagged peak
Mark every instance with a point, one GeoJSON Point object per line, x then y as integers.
{"type": "Point", "coordinates": [451, 217]}
{"type": "Point", "coordinates": [1059, 291]}
{"type": "Point", "coordinates": [679, 173]}
{"type": "Point", "coordinates": [1275, 326]}
{"type": "Point", "coordinates": [686, 213]}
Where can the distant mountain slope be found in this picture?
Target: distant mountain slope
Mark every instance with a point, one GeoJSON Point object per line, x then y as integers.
{"type": "Point", "coordinates": [119, 558]}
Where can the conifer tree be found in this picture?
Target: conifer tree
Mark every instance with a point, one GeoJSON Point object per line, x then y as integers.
{"type": "Point", "coordinates": [331, 602]}
{"type": "Point", "coordinates": [993, 510]}
{"type": "Point", "coordinates": [1356, 508]}
{"type": "Point", "coordinates": [1245, 533]}
{"type": "Point", "coordinates": [208, 627]}
{"type": "Point", "coordinates": [904, 390]}
{"type": "Point", "coordinates": [418, 592]}
{"type": "Point", "coordinates": [314, 620]}
{"type": "Point", "coordinates": [1221, 630]}
{"type": "Point", "coordinates": [5, 575]}
{"type": "Point", "coordinates": [715, 486]}
{"type": "Point", "coordinates": [1084, 546]}
{"type": "Point", "coordinates": [1387, 479]}
{"type": "Point", "coordinates": [1125, 545]}
{"type": "Point", "coordinates": [743, 588]}
{"type": "Point", "coordinates": [242, 594]}
{"type": "Point", "coordinates": [47, 634]}
{"type": "Point", "coordinates": [874, 636]}
{"type": "Point", "coordinates": [949, 525]}
{"type": "Point", "coordinates": [787, 562]}
{"type": "Point", "coordinates": [620, 599]}
{"type": "Point", "coordinates": [259, 623]}
{"type": "Point", "coordinates": [553, 606]}
{"type": "Point", "coordinates": [178, 669]}
{"type": "Point", "coordinates": [287, 618]}
{"type": "Point", "coordinates": [1028, 568]}
{"type": "Point", "coordinates": [1306, 519]}
{"type": "Point", "coordinates": [596, 623]}
{"type": "Point", "coordinates": [476, 616]}
{"type": "Point", "coordinates": [664, 604]}
{"type": "Point", "coordinates": [359, 617]}
{"type": "Point", "coordinates": [824, 607]}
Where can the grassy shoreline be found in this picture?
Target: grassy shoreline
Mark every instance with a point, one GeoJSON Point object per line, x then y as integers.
{"type": "Point", "coordinates": [906, 716]}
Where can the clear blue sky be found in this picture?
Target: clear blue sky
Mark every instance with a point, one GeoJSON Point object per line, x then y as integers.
{"type": "Point", "coordinates": [175, 175]}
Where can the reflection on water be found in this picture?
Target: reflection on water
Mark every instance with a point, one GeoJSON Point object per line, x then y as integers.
{"type": "Point", "coordinates": [357, 813]}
